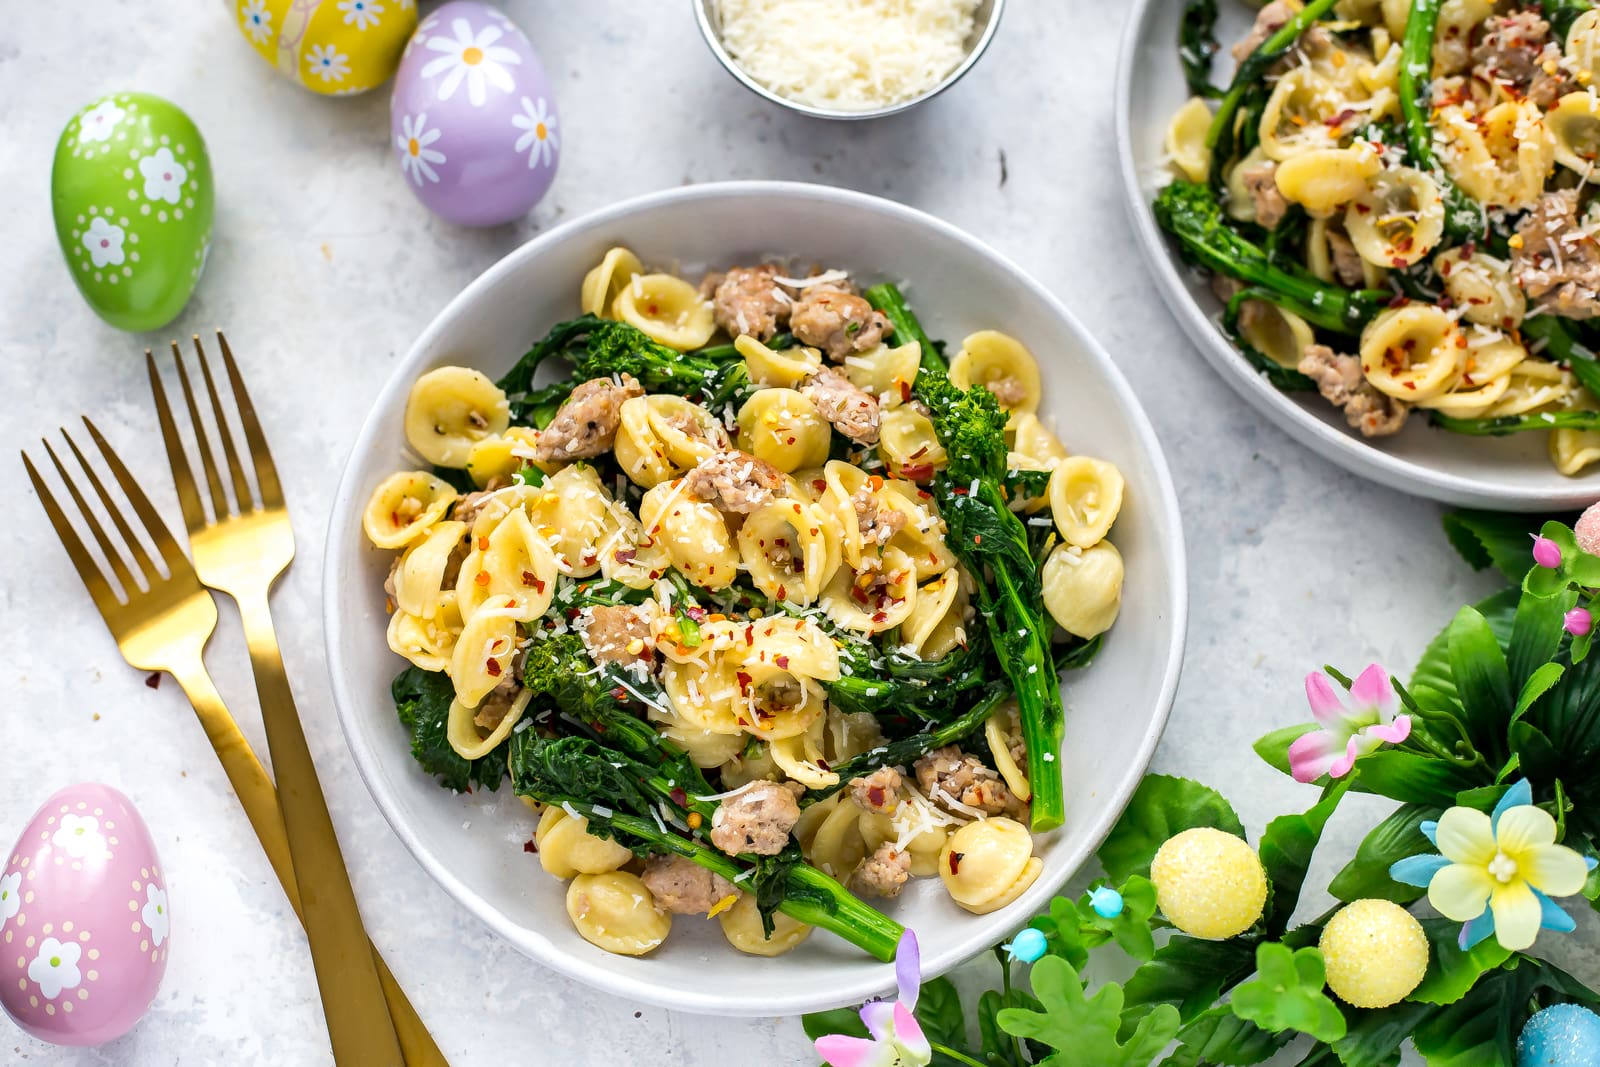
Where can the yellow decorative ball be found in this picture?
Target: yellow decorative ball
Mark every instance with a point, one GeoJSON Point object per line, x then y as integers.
{"type": "Point", "coordinates": [1209, 883]}
{"type": "Point", "coordinates": [1375, 953]}
{"type": "Point", "coordinates": [334, 47]}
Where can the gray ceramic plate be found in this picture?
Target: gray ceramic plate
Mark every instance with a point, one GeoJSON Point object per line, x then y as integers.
{"type": "Point", "coordinates": [1507, 473]}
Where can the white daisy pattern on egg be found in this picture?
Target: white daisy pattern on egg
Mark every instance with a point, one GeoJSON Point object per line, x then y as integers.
{"type": "Point", "coordinates": [99, 122]}
{"type": "Point", "coordinates": [10, 896]}
{"type": "Point", "coordinates": [361, 13]}
{"type": "Point", "coordinates": [473, 58]}
{"type": "Point", "coordinates": [79, 835]}
{"type": "Point", "coordinates": [154, 913]}
{"type": "Point", "coordinates": [328, 63]}
{"type": "Point", "coordinates": [538, 137]}
{"type": "Point", "coordinates": [56, 967]}
{"type": "Point", "coordinates": [416, 156]}
{"type": "Point", "coordinates": [163, 176]}
{"type": "Point", "coordinates": [256, 20]}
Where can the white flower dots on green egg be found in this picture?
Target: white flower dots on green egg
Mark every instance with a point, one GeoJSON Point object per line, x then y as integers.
{"type": "Point", "coordinates": [131, 193]}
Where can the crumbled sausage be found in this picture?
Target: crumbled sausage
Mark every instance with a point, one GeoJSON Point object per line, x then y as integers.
{"type": "Point", "coordinates": [853, 412]}
{"type": "Point", "coordinates": [948, 776]}
{"type": "Point", "coordinates": [683, 887]}
{"type": "Point", "coordinates": [734, 481]}
{"type": "Point", "coordinates": [1347, 263]}
{"type": "Point", "coordinates": [467, 508]}
{"type": "Point", "coordinates": [884, 873]}
{"type": "Point", "coordinates": [586, 425]}
{"type": "Point", "coordinates": [498, 703]}
{"type": "Point", "coordinates": [619, 635]}
{"type": "Point", "coordinates": [877, 792]}
{"type": "Point", "coordinates": [1261, 181]}
{"type": "Point", "coordinates": [1269, 20]}
{"type": "Point", "coordinates": [748, 300]}
{"type": "Point", "coordinates": [1515, 52]}
{"type": "Point", "coordinates": [1341, 383]}
{"type": "Point", "coordinates": [1558, 261]}
{"type": "Point", "coordinates": [758, 819]}
{"type": "Point", "coordinates": [837, 322]}
{"type": "Point", "coordinates": [1008, 390]}
{"type": "Point", "coordinates": [877, 521]}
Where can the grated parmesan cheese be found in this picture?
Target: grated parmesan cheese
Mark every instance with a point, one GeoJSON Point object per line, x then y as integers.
{"type": "Point", "coordinates": [847, 55]}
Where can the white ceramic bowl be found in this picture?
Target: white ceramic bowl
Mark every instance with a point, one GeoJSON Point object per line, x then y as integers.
{"type": "Point", "coordinates": [1116, 708]}
{"type": "Point", "coordinates": [1506, 473]}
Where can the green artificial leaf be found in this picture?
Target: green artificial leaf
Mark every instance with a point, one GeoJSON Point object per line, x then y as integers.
{"type": "Point", "coordinates": [1481, 1027]}
{"type": "Point", "coordinates": [1453, 971]}
{"type": "Point", "coordinates": [1569, 714]}
{"type": "Point", "coordinates": [1433, 668]}
{"type": "Point", "coordinates": [1286, 849]}
{"type": "Point", "coordinates": [1084, 1030]}
{"type": "Point", "coordinates": [1130, 929]}
{"type": "Point", "coordinates": [1411, 777]}
{"type": "Point", "coordinates": [1395, 838]}
{"type": "Point", "coordinates": [940, 1013]}
{"type": "Point", "coordinates": [1537, 629]}
{"type": "Point", "coordinates": [1538, 683]}
{"type": "Point", "coordinates": [999, 1048]}
{"type": "Point", "coordinates": [1274, 747]}
{"type": "Point", "coordinates": [1161, 807]}
{"type": "Point", "coordinates": [1536, 756]}
{"type": "Point", "coordinates": [837, 1021]}
{"type": "Point", "coordinates": [1063, 931]}
{"type": "Point", "coordinates": [1286, 994]}
{"type": "Point", "coordinates": [1219, 1036]}
{"type": "Point", "coordinates": [1488, 538]}
{"type": "Point", "coordinates": [1373, 1038]}
{"type": "Point", "coordinates": [1191, 973]}
{"type": "Point", "coordinates": [1483, 680]}
{"type": "Point", "coordinates": [1576, 564]}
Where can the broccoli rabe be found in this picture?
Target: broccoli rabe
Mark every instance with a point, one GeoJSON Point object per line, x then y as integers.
{"type": "Point", "coordinates": [422, 700]}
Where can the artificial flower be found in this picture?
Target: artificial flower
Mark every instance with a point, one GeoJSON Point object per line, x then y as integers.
{"type": "Point", "coordinates": [1497, 873]}
{"type": "Point", "coordinates": [99, 121]}
{"type": "Point", "coordinates": [1106, 902]}
{"type": "Point", "coordinates": [1027, 946]}
{"type": "Point", "coordinates": [1546, 553]}
{"type": "Point", "coordinates": [79, 835]}
{"type": "Point", "coordinates": [1348, 732]}
{"type": "Point", "coordinates": [897, 1039]}
{"type": "Point", "coordinates": [1577, 622]}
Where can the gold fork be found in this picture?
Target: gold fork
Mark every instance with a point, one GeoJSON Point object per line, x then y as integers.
{"type": "Point", "coordinates": [241, 549]}
{"type": "Point", "coordinates": [163, 624]}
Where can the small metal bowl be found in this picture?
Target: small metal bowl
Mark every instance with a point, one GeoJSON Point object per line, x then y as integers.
{"type": "Point", "coordinates": [985, 22]}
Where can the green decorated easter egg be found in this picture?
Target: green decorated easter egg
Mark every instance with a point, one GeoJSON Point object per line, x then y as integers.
{"type": "Point", "coordinates": [132, 196]}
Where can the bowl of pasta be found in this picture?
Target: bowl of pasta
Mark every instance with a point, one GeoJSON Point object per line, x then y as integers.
{"type": "Point", "coordinates": [693, 605]}
{"type": "Point", "coordinates": [1374, 223]}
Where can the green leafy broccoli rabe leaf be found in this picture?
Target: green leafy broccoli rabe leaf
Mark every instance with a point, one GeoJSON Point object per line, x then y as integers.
{"type": "Point", "coordinates": [422, 700]}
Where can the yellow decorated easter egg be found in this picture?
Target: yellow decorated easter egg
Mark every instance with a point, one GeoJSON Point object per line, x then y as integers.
{"type": "Point", "coordinates": [1209, 883]}
{"type": "Point", "coordinates": [335, 47]}
{"type": "Point", "coordinates": [1375, 953]}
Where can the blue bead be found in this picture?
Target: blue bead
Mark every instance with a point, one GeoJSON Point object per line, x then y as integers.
{"type": "Point", "coordinates": [1027, 946]}
{"type": "Point", "coordinates": [1106, 902]}
{"type": "Point", "coordinates": [1563, 1035]}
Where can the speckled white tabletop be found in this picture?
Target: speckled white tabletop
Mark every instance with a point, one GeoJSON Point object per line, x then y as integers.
{"type": "Point", "coordinates": [324, 269]}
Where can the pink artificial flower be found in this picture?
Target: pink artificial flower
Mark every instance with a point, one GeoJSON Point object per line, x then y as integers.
{"type": "Point", "coordinates": [897, 1038]}
{"type": "Point", "coordinates": [1546, 553]}
{"type": "Point", "coordinates": [1577, 622]}
{"type": "Point", "coordinates": [1587, 531]}
{"type": "Point", "coordinates": [1348, 732]}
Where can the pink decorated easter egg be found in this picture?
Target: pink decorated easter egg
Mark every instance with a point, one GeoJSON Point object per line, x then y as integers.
{"type": "Point", "coordinates": [473, 117]}
{"type": "Point", "coordinates": [83, 919]}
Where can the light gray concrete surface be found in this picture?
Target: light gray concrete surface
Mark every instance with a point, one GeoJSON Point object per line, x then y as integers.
{"type": "Point", "coordinates": [323, 270]}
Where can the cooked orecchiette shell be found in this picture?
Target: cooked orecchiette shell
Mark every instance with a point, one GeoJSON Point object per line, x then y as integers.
{"type": "Point", "coordinates": [936, 601]}
{"type": "Point", "coordinates": [887, 373]}
{"type": "Point", "coordinates": [922, 536]}
{"type": "Point", "coordinates": [616, 911]}
{"type": "Point", "coordinates": [741, 925]}
{"type": "Point", "coordinates": [574, 514]}
{"type": "Point", "coordinates": [1001, 364]}
{"type": "Point", "coordinates": [1535, 385]}
{"type": "Point", "coordinates": [667, 309]}
{"type": "Point", "coordinates": [1320, 236]}
{"type": "Point", "coordinates": [1500, 158]}
{"type": "Point", "coordinates": [1583, 41]}
{"type": "Point", "coordinates": [426, 642]}
{"type": "Point", "coordinates": [924, 848]}
{"type": "Point", "coordinates": [403, 508]}
{"type": "Point", "coordinates": [1455, 31]}
{"type": "Point", "coordinates": [1033, 442]}
{"type": "Point", "coordinates": [694, 534]}
{"type": "Point", "coordinates": [1085, 497]}
{"type": "Point", "coordinates": [1240, 205]}
{"type": "Point", "coordinates": [784, 428]}
{"type": "Point", "coordinates": [1485, 379]}
{"type": "Point", "coordinates": [1398, 220]}
{"type": "Point", "coordinates": [1295, 119]}
{"type": "Point", "coordinates": [1575, 125]}
{"type": "Point", "coordinates": [500, 458]}
{"type": "Point", "coordinates": [1413, 352]}
{"type": "Point", "coordinates": [908, 444]}
{"type": "Point", "coordinates": [800, 757]}
{"type": "Point", "coordinates": [450, 409]}
{"type": "Point", "coordinates": [751, 762]}
{"type": "Point", "coordinates": [835, 845]}
{"type": "Point", "coordinates": [787, 551]}
{"type": "Point", "coordinates": [1482, 287]}
{"type": "Point", "coordinates": [608, 278]}
{"type": "Point", "coordinates": [419, 576]}
{"type": "Point", "coordinates": [703, 694]}
{"type": "Point", "coordinates": [988, 863]}
{"type": "Point", "coordinates": [483, 654]}
{"type": "Point", "coordinates": [661, 436]}
{"type": "Point", "coordinates": [513, 569]}
{"type": "Point", "coordinates": [469, 740]}
{"type": "Point", "coordinates": [1083, 588]}
{"type": "Point", "coordinates": [1574, 451]}
{"type": "Point", "coordinates": [1325, 179]}
{"type": "Point", "coordinates": [870, 601]}
{"type": "Point", "coordinates": [1281, 336]}
{"type": "Point", "coordinates": [706, 748]}
{"type": "Point", "coordinates": [567, 848]}
{"type": "Point", "coordinates": [785, 368]}
{"type": "Point", "coordinates": [628, 556]}
{"type": "Point", "coordinates": [1186, 139]}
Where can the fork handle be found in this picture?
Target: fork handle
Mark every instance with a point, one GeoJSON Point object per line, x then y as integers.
{"type": "Point", "coordinates": [259, 799]}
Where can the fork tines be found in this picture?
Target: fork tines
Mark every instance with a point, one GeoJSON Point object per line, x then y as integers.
{"type": "Point", "coordinates": [115, 553]}
{"type": "Point", "coordinates": [268, 493]}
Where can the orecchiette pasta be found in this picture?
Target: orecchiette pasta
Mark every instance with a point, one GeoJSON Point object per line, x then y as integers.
{"type": "Point", "coordinates": [872, 600]}
{"type": "Point", "coordinates": [483, 654]}
{"type": "Point", "coordinates": [1482, 287]}
{"type": "Point", "coordinates": [1413, 352]}
{"type": "Point", "coordinates": [783, 428]}
{"type": "Point", "coordinates": [987, 864]}
{"type": "Point", "coordinates": [741, 925]}
{"type": "Point", "coordinates": [1280, 335]}
{"type": "Point", "coordinates": [693, 533]}
{"type": "Point", "coordinates": [907, 443]}
{"type": "Point", "coordinates": [1575, 129]}
{"type": "Point", "coordinates": [450, 410]}
{"type": "Point", "coordinates": [661, 436]}
{"type": "Point", "coordinates": [615, 271]}
{"type": "Point", "coordinates": [787, 550]}
{"type": "Point", "coordinates": [566, 848]}
{"type": "Point", "coordinates": [998, 731]}
{"type": "Point", "coordinates": [1186, 139]}
{"type": "Point", "coordinates": [1501, 157]}
{"type": "Point", "coordinates": [1583, 41]}
{"type": "Point", "coordinates": [615, 911]}
{"type": "Point", "coordinates": [474, 739]}
{"type": "Point", "coordinates": [404, 507]}
{"type": "Point", "coordinates": [1325, 179]}
{"type": "Point", "coordinates": [667, 309]}
{"type": "Point", "coordinates": [887, 373]}
{"type": "Point", "coordinates": [419, 578]}
{"type": "Point", "coordinates": [1001, 364]}
{"type": "Point", "coordinates": [1083, 588]}
{"type": "Point", "coordinates": [784, 369]}
{"type": "Point", "coordinates": [1085, 498]}
{"type": "Point", "coordinates": [1398, 220]}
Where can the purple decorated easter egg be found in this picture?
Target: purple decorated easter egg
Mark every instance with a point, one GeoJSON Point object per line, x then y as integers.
{"type": "Point", "coordinates": [473, 118]}
{"type": "Point", "coordinates": [83, 919]}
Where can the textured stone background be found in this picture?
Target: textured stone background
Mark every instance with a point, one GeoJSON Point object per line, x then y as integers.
{"type": "Point", "coordinates": [324, 269]}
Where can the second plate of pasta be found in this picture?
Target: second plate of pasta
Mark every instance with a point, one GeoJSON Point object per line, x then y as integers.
{"type": "Point", "coordinates": [730, 607]}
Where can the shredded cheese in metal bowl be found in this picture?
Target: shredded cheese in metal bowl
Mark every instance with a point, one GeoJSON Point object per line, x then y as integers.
{"type": "Point", "coordinates": [847, 55]}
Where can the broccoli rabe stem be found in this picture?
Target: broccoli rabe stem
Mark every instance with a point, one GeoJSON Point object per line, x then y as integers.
{"type": "Point", "coordinates": [1508, 424]}
{"type": "Point", "coordinates": [887, 298]}
{"type": "Point", "coordinates": [1464, 219]}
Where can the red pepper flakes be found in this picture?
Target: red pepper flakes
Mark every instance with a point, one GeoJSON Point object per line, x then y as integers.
{"type": "Point", "coordinates": [620, 693]}
{"type": "Point", "coordinates": [782, 662]}
{"type": "Point", "coordinates": [695, 612]}
{"type": "Point", "coordinates": [493, 667]}
{"type": "Point", "coordinates": [153, 680]}
{"type": "Point", "coordinates": [679, 797]}
{"type": "Point", "coordinates": [822, 763]}
{"type": "Point", "coordinates": [483, 544]}
{"type": "Point", "coordinates": [529, 578]}
{"type": "Point", "coordinates": [783, 592]}
{"type": "Point", "coordinates": [955, 862]}
{"type": "Point", "coordinates": [482, 578]}
{"type": "Point", "coordinates": [625, 555]}
{"type": "Point", "coordinates": [875, 796]}
{"type": "Point", "coordinates": [530, 845]}
{"type": "Point", "coordinates": [917, 471]}
{"type": "Point", "coordinates": [1398, 300]}
{"type": "Point", "coordinates": [905, 391]}
{"type": "Point", "coordinates": [744, 681]}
